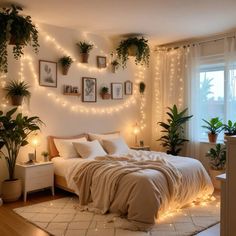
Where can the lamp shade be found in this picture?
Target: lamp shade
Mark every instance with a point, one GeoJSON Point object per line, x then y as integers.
{"type": "Point", "coordinates": [136, 129]}
{"type": "Point", "coordinates": [35, 140]}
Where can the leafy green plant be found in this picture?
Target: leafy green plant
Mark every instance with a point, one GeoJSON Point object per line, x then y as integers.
{"type": "Point", "coordinates": [115, 63]}
{"type": "Point", "coordinates": [65, 61]}
{"type": "Point", "coordinates": [19, 31]}
{"type": "Point", "coordinates": [142, 53]}
{"type": "Point", "coordinates": [142, 87]}
{"type": "Point", "coordinates": [174, 137]}
{"type": "Point", "coordinates": [17, 88]}
{"type": "Point", "coordinates": [13, 135]}
{"type": "Point", "coordinates": [84, 47]}
{"type": "Point", "coordinates": [104, 90]}
{"type": "Point", "coordinates": [217, 157]}
{"type": "Point", "coordinates": [230, 128]}
{"type": "Point", "coordinates": [214, 125]}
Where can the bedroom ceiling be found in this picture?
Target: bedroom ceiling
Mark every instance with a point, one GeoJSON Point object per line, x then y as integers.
{"type": "Point", "coordinates": [162, 21]}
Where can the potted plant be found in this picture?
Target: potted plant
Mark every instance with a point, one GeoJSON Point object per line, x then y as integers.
{"type": "Point", "coordinates": [45, 155]}
{"type": "Point", "coordinates": [16, 30]}
{"type": "Point", "coordinates": [65, 63]}
{"type": "Point", "coordinates": [14, 130]}
{"type": "Point", "coordinates": [217, 157]}
{"type": "Point", "coordinates": [85, 48]}
{"type": "Point", "coordinates": [174, 138]}
{"type": "Point", "coordinates": [114, 66]}
{"type": "Point", "coordinates": [142, 87]}
{"type": "Point", "coordinates": [214, 127]}
{"type": "Point", "coordinates": [17, 91]}
{"type": "Point", "coordinates": [105, 93]}
{"type": "Point", "coordinates": [230, 128]}
{"type": "Point", "coordinates": [134, 46]}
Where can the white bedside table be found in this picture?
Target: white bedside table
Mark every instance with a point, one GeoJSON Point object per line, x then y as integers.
{"type": "Point", "coordinates": [143, 148]}
{"type": "Point", "coordinates": [36, 176]}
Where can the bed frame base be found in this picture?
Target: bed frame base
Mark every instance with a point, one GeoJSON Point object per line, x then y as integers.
{"type": "Point", "coordinates": [60, 182]}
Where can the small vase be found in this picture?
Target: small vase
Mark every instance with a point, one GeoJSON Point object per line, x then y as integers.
{"type": "Point", "coordinates": [84, 57]}
{"type": "Point", "coordinates": [65, 70]}
{"type": "Point", "coordinates": [17, 100]}
{"type": "Point", "coordinates": [212, 137]}
{"type": "Point", "coordinates": [45, 159]}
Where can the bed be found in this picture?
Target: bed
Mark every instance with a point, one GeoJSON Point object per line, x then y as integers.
{"type": "Point", "coordinates": [139, 185]}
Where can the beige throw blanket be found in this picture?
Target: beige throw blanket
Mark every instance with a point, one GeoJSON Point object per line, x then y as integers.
{"type": "Point", "coordinates": [98, 181]}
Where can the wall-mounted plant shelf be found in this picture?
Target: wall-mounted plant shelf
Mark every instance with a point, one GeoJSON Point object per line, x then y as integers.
{"type": "Point", "coordinates": [72, 94]}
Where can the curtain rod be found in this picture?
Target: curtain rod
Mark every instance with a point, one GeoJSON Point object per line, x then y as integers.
{"type": "Point", "coordinates": [186, 45]}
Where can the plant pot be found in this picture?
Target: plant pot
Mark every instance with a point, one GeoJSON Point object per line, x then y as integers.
{"type": "Point", "coordinates": [84, 57]}
{"type": "Point", "coordinates": [132, 50]}
{"type": "Point", "coordinates": [213, 173]}
{"type": "Point", "coordinates": [105, 95]}
{"type": "Point", "coordinates": [17, 100]}
{"type": "Point", "coordinates": [11, 190]}
{"type": "Point", "coordinates": [12, 41]}
{"type": "Point", "coordinates": [212, 137]}
{"type": "Point", "coordinates": [65, 70]}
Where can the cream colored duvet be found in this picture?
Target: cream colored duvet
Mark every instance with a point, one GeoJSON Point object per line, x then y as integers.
{"type": "Point", "coordinates": [138, 186]}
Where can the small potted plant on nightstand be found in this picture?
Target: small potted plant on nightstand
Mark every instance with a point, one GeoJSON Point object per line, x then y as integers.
{"type": "Point", "coordinates": [65, 63]}
{"type": "Point", "coordinates": [84, 48]}
{"type": "Point", "coordinates": [14, 130]}
{"type": "Point", "coordinates": [17, 91]}
{"type": "Point", "coordinates": [45, 155]}
{"type": "Point", "coordinates": [217, 157]}
{"type": "Point", "coordinates": [114, 66]}
{"type": "Point", "coordinates": [214, 127]}
{"type": "Point", "coordinates": [105, 93]}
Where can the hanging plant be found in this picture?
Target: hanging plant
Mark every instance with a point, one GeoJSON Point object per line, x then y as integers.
{"type": "Point", "coordinates": [134, 46]}
{"type": "Point", "coordinates": [142, 87]}
{"type": "Point", "coordinates": [84, 48]}
{"type": "Point", "coordinates": [16, 30]}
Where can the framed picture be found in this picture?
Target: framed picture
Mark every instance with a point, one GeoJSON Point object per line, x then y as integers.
{"type": "Point", "coordinates": [116, 90]}
{"type": "Point", "coordinates": [128, 87]}
{"type": "Point", "coordinates": [89, 89]}
{"type": "Point", "coordinates": [47, 73]}
{"type": "Point", "coordinates": [101, 62]}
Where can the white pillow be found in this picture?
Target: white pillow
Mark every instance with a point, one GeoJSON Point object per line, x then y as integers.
{"type": "Point", "coordinates": [115, 146]}
{"type": "Point", "coordinates": [66, 148]}
{"type": "Point", "coordinates": [89, 150]}
{"type": "Point", "coordinates": [100, 137]}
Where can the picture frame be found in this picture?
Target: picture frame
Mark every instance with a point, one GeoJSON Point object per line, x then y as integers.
{"type": "Point", "coordinates": [101, 62]}
{"type": "Point", "coordinates": [128, 87]}
{"type": "Point", "coordinates": [47, 73]}
{"type": "Point", "coordinates": [89, 89]}
{"type": "Point", "coordinates": [116, 91]}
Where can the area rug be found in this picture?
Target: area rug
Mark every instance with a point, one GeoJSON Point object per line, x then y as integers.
{"type": "Point", "coordinates": [61, 218]}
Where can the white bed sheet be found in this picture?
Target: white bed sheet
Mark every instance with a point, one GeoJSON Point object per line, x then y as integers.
{"type": "Point", "coordinates": [62, 165]}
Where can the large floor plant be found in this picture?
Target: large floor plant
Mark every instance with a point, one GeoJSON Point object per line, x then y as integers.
{"type": "Point", "coordinates": [14, 131]}
{"type": "Point", "coordinates": [174, 138]}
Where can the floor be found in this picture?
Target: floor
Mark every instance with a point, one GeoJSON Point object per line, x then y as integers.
{"type": "Point", "coordinates": [12, 224]}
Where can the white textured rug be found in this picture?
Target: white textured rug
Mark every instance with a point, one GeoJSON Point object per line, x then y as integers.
{"type": "Point", "coordinates": [60, 217]}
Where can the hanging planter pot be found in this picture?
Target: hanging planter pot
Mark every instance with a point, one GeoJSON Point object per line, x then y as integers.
{"type": "Point", "coordinates": [16, 91]}
{"type": "Point", "coordinates": [65, 63]}
{"type": "Point", "coordinates": [134, 46]}
{"type": "Point", "coordinates": [132, 50]}
{"type": "Point", "coordinates": [84, 48]}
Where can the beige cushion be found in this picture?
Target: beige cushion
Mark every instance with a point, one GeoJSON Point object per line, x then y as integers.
{"type": "Point", "coordinates": [116, 146]}
{"type": "Point", "coordinates": [65, 147]}
{"type": "Point", "coordinates": [89, 150]}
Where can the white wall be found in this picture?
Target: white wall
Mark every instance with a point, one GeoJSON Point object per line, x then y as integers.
{"type": "Point", "coordinates": [61, 120]}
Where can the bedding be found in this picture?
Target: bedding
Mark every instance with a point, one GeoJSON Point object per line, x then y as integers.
{"type": "Point", "coordinates": [138, 186]}
{"type": "Point", "coordinates": [100, 137]}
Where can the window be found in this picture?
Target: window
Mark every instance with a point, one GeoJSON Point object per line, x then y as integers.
{"type": "Point", "coordinates": [217, 94]}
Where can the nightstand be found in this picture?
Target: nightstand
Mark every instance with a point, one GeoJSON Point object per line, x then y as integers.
{"type": "Point", "coordinates": [143, 148]}
{"type": "Point", "coordinates": [35, 176]}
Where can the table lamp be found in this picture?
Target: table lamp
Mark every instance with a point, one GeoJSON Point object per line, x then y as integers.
{"type": "Point", "coordinates": [136, 131]}
{"type": "Point", "coordinates": [35, 141]}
